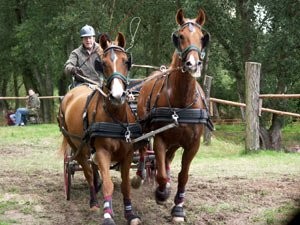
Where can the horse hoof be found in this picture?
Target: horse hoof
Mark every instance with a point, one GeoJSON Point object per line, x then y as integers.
{"type": "Point", "coordinates": [178, 214]}
{"type": "Point", "coordinates": [136, 182]}
{"type": "Point", "coordinates": [94, 205]}
{"type": "Point", "coordinates": [134, 220]}
{"type": "Point", "coordinates": [177, 220]}
{"type": "Point", "coordinates": [94, 208]}
{"type": "Point", "coordinates": [108, 221]}
{"type": "Point", "coordinates": [162, 196]}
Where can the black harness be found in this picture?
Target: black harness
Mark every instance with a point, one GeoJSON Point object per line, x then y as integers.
{"type": "Point", "coordinates": [176, 115]}
{"type": "Point", "coordinates": [114, 130]}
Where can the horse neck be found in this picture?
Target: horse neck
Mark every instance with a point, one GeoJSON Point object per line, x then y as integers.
{"type": "Point", "coordinates": [182, 86]}
{"type": "Point", "coordinates": [118, 112]}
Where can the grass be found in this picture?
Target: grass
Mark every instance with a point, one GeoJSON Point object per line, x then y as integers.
{"type": "Point", "coordinates": [34, 148]}
{"type": "Point", "coordinates": [236, 133]}
{"type": "Point", "coordinates": [37, 144]}
{"type": "Point", "coordinates": [30, 147]}
{"type": "Point", "coordinates": [275, 216]}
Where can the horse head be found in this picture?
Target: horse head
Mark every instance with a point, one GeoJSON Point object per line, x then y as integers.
{"type": "Point", "coordinates": [190, 42]}
{"type": "Point", "coordinates": [115, 64]}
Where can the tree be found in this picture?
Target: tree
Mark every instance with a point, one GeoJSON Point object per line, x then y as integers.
{"type": "Point", "coordinates": [280, 54]}
{"type": "Point", "coordinates": [39, 36]}
{"type": "Point", "coordinates": [261, 31]}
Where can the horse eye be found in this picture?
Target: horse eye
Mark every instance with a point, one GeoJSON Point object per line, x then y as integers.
{"type": "Point", "coordinates": [126, 61]}
{"type": "Point", "coordinates": [181, 37]}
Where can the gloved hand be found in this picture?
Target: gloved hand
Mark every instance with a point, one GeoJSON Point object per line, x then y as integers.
{"type": "Point", "coordinates": [76, 70]}
{"type": "Point", "coordinates": [78, 74]}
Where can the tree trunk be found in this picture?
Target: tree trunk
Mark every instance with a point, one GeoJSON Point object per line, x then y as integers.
{"type": "Point", "coordinates": [275, 132]}
{"type": "Point", "coordinates": [272, 138]}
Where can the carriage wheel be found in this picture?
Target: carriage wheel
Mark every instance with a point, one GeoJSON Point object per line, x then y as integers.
{"type": "Point", "coordinates": [67, 175]}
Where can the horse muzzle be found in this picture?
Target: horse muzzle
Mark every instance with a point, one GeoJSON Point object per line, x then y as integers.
{"type": "Point", "coordinates": [117, 99]}
{"type": "Point", "coordinates": [193, 68]}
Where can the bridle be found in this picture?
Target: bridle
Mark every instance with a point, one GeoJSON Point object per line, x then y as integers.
{"type": "Point", "coordinates": [183, 53]}
{"type": "Point", "coordinates": [117, 75]}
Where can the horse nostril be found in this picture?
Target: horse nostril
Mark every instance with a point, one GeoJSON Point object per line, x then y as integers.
{"type": "Point", "coordinates": [199, 63]}
{"type": "Point", "coordinates": [188, 64]}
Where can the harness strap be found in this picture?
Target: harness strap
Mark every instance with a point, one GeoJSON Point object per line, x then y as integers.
{"type": "Point", "coordinates": [156, 76]}
{"type": "Point", "coordinates": [69, 135]}
{"type": "Point", "coordinates": [165, 114]}
{"type": "Point", "coordinates": [183, 54]}
{"type": "Point", "coordinates": [113, 130]}
{"type": "Point", "coordinates": [116, 75]}
{"type": "Point", "coordinates": [85, 114]}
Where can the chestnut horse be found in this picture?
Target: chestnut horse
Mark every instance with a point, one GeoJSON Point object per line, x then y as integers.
{"type": "Point", "coordinates": [98, 124]}
{"type": "Point", "coordinates": [175, 96]}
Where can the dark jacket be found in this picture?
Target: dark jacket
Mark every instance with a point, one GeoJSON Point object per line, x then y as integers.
{"type": "Point", "coordinates": [33, 103]}
{"type": "Point", "coordinates": [81, 58]}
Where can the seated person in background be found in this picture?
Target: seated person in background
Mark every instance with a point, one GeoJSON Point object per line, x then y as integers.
{"type": "Point", "coordinates": [32, 106]}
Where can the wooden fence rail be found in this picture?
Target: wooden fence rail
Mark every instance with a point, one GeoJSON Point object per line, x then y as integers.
{"type": "Point", "coordinates": [226, 102]}
{"type": "Point", "coordinates": [24, 98]}
{"type": "Point", "coordinates": [279, 96]}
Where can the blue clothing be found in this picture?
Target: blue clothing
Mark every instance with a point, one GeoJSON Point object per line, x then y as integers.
{"type": "Point", "coordinates": [20, 115]}
{"type": "Point", "coordinates": [32, 105]}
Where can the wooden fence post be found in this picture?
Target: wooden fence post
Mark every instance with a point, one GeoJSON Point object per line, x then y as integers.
{"type": "Point", "coordinates": [206, 89]}
{"type": "Point", "coordinates": [252, 78]}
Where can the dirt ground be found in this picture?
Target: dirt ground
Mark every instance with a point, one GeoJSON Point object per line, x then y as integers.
{"type": "Point", "coordinates": [231, 200]}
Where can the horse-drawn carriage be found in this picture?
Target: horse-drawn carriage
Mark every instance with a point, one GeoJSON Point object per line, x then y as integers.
{"type": "Point", "coordinates": [103, 130]}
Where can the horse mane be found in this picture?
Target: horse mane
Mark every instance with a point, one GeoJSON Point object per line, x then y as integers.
{"type": "Point", "coordinates": [99, 51]}
{"type": "Point", "coordinates": [175, 60]}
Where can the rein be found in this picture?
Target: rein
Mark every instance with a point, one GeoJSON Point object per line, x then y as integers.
{"type": "Point", "coordinates": [95, 83]}
{"type": "Point", "coordinates": [163, 72]}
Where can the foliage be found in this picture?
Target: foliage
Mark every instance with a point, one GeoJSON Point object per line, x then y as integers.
{"type": "Point", "coordinates": [39, 36]}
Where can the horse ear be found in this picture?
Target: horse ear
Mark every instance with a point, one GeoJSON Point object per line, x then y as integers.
{"type": "Point", "coordinates": [180, 17]}
{"type": "Point", "coordinates": [120, 39]}
{"type": "Point", "coordinates": [104, 39]}
{"type": "Point", "coordinates": [201, 17]}
{"type": "Point", "coordinates": [205, 40]}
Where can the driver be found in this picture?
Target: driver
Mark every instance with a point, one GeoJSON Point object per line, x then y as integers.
{"type": "Point", "coordinates": [81, 61]}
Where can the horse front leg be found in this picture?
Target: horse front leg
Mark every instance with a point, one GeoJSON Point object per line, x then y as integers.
{"type": "Point", "coordinates": [163, 191]}
{"type": "Point", "coordinates": [178, 214]}
{"type": "Point", "coordinates": [89, 176]}
{"type": "Point", "coordinates": [102, 159]}
{"type": "Point", "coordinates": [130, 216]}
